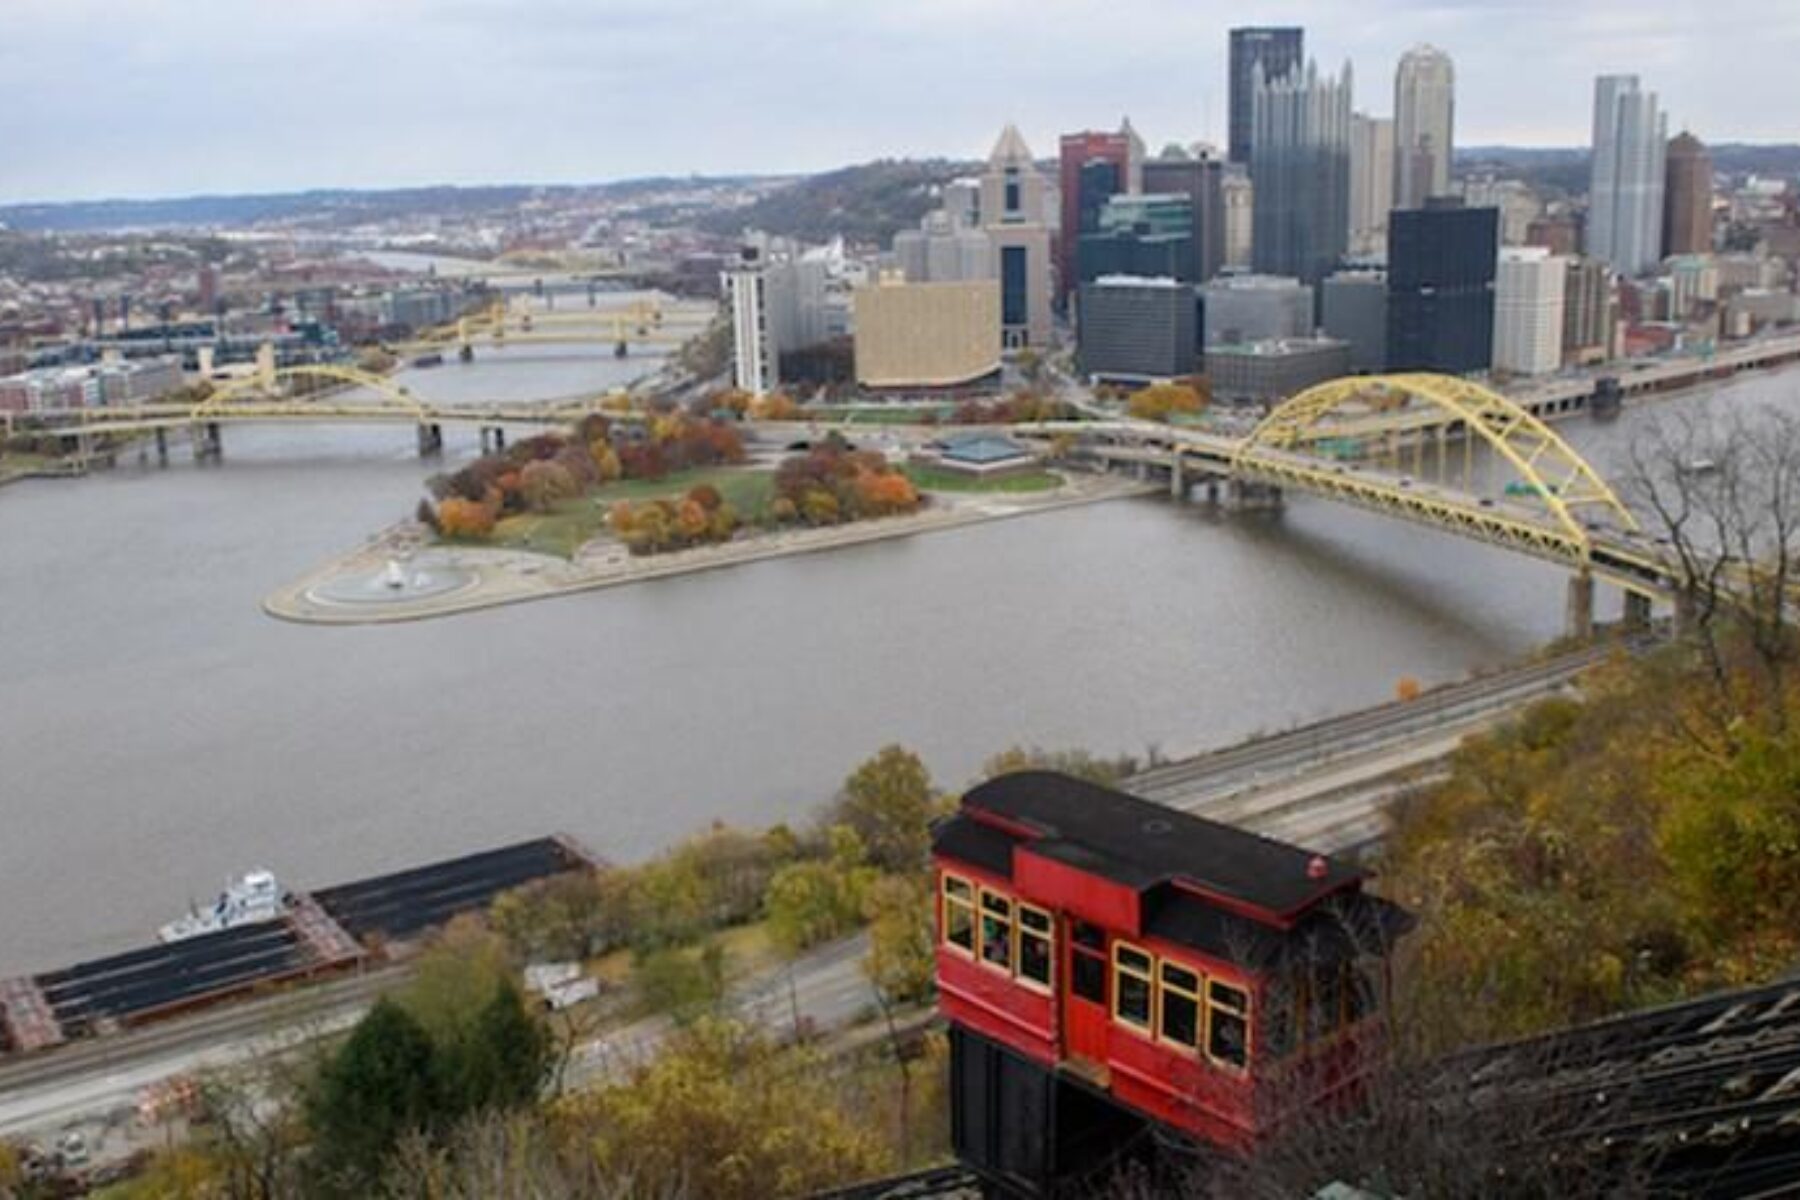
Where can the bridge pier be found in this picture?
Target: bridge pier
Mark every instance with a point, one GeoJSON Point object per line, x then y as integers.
{"type": "Point", "coordinates": [493, 439]}
{"type": "Point", "coordinates": [162, 446]}
{"type": "Point", "coordinates": [1637, 611]}
{"type": "Point", "coordinates": [431, 440]}
{"type": "Point", "coordinates": [208, 441]}
{"type": "Point", "coordinates": [1247, 495]}
{"type": "Point", "coordinates": [1178, 484]}
{"type": "Point", "coordinates": [1580, 609]}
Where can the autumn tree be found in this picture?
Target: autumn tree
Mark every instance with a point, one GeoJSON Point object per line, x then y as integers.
{"type": "Point", "coordinates": [1160, 401]}
{"type": "Point", "coordinates": [900, 964]}
{"type": "Point", "coordinates": [544, 483]}
{"type": "Point", "coordinates": [724, 1114]}
{"type": "Point", "coordinates": [888, 802]}
{"type": "Point", "coordinates": [469, 519]}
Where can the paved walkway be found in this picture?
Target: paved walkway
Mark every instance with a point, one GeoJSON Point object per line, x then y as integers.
{"type": "Point", "coordinates": [514, 576]}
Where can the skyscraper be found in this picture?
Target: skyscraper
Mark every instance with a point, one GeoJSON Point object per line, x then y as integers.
{"type": "Point", "coordinates": [1012, 213]}
{"type": "Point", "coordinates": [1371, 182]}
{"type": "Point", "coordinates": [1278, 51]}
{"type": "Point", "coordinates": [1424, 125]}
{"type": "Point", "coordinates": [1528, 311]}
{"type": "Point", "coordinates": [1201, 179]}
{"type": "Point", "coordinates": [1300, 169]}
{"type": "Point", "coordinates": [1625, 191]}
{"type": "Point", "coordinates": [1687, 203]}
{"type": "Point", "coordinates": [1588, 311]}
{"type": "Point", "coordinates": [1441, 261]}
{"type": "Point", "coordinates": [1092, 167]}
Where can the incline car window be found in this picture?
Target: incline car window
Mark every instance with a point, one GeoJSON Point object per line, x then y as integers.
{"type": "Point", "coordinates": [1034, 945]}
{"type": "Point", "coordinates": [1180, 1006]}
{"type": "Point", "coordinates": [1227, 1024]}
{"type": "Point", "coordinates": [1131, 1000]}
{"type": "Point", "coordinates": [959, 913]}
{"type": "Point", "coordinates": [996, 931]}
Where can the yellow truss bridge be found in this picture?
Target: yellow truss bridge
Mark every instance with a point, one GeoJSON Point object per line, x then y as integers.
{"type": "Point", "coordinates": [642, 323]}
{"type": "Point", "coordinates": [308, 394]}
{"type": "Point", "coordinates": [1406, 445]}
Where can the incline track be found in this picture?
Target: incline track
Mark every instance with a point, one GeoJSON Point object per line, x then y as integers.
{"type": "Point", "coordinates": [1704, 1095]}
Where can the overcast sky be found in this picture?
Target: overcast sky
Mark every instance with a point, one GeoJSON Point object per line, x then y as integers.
{"type": "Point", "coordinates": [175, 97]}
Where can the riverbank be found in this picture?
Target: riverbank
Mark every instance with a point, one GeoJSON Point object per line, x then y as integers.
{"type": "Point", "coordinates": [493, 577]}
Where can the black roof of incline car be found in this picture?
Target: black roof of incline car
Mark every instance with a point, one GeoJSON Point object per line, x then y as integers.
{"type": "Point", "coordinates": [1141, 844]}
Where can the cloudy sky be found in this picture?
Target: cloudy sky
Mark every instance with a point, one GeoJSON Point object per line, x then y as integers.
{"type": "Point", "coordinates": [176, 97]}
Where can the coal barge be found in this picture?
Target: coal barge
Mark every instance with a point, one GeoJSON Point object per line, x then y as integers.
{"type": "Point", "coordinates": [321, 932]}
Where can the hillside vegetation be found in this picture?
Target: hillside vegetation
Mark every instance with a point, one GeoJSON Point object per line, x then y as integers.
{"type": "Point", "coordinates": [866, 203]}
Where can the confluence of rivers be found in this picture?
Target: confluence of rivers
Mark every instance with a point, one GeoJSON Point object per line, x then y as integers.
{"type": "Point", "coordinates": [158, 733]}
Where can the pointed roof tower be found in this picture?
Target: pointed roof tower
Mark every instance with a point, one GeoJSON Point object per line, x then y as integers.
{"type": "Point", "coordinates": [1010, 149]}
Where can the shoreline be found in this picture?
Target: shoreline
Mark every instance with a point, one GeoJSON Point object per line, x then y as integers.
{"type": "Point", "coordinates": [504, 577]}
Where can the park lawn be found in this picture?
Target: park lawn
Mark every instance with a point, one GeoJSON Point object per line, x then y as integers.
{"type": "Point", "coordinates": [573, 523]}
{"type": "Point", "coordinates": [936, 479]}
{"type": "Point", "coordinates": [879, 414]}
{"type": "Point", "coordinates": [20, 462]}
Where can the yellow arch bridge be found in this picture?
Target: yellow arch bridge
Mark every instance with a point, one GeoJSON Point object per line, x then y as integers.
{"type": "Point", "coordinates": [1407, 446]}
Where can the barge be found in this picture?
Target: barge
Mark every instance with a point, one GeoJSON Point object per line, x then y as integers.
{"type": "Point", "coordinates": [321, 932]}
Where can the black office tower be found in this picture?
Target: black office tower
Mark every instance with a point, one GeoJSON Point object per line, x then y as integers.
{"type": "Point", "coordinates": [1441, 262]}
{"type": "Point", "coordinates": [1279, 50]}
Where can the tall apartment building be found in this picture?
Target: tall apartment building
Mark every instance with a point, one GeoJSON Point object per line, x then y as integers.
{"type": "Point", "coordinates": [1441, 261]}
{"type": "Point", "coordinates": [1424, 125]}
{"type": "Point", "coordinates": [755, 357]}
{"type": "Point", "coordinates": [1528, 311]}
{"type": "Point", "coordinates": [1092, 167]}
{"type": "Point", "coordinates": [1272, 51]}
{"type": "Point", "coordinates": [1589, 311]}
{"type": "Point", "coordinates": [1371, 182]}
{"type": "Point", "coordinates": [1625, 187]}
{"type": "Point", "coordinates": [1013, 216]}
{"type": "Point", "coordinates": [1199, 177]}
{"type": "Point", "coordinates": [1687, 197]}
{"type": "Point", "coordinates": [1300, 166]}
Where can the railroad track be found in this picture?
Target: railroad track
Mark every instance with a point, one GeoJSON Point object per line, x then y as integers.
{"type": "Point", "coordinates": [1244, 766]}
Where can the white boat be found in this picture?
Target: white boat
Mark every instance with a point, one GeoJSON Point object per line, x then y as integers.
{"type": "Point", "coordinates": [252, 897]}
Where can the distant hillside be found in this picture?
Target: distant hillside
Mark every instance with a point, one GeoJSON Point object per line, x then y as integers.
{"type": "Point", "coordinates": [324, 207]}
{"type": "Point", "coordinates": [321, 208]}
{"type": "Point", "coordinates": [867, 203]}
{"type": "Point", "coordinates": [1560, 168]}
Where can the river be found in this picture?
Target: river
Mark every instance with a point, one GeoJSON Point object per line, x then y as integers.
{"type": "Point", "coordinates": [159, 733]}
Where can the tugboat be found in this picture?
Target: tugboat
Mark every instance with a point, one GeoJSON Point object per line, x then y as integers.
{"type": "Point", "coordinates": [247, 900]}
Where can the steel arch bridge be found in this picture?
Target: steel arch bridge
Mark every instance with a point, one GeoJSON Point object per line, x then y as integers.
{"type": "Point", "coordinates": [1582, 522]}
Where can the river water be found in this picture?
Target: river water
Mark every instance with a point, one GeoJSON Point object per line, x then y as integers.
{"type": "Point", "coordinates": [159, 733]}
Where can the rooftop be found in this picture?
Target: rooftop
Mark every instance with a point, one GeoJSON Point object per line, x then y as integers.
{"type": "Point", "coordinates": [1141, 844]}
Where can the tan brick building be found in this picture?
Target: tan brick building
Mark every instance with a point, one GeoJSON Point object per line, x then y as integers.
{"type": "Point", "coordinates": [926, 335]}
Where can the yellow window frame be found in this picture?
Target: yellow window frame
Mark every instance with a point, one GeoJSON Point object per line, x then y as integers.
{"type": "Point", "coordinates": [1047, 936]}
{"type": "Point", "coordinates": [1012, 932]}
{"type": "Point", "coordinates": [1147, 974]}
{"type": "Point", "coordinates": [968, 903]}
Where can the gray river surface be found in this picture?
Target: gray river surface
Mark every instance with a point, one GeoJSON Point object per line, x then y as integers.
{"type": "Point", "coordinates": [158, 733]}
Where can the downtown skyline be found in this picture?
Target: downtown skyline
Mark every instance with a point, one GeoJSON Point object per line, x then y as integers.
{"type": "Point", "coordinates": [142, 99]}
